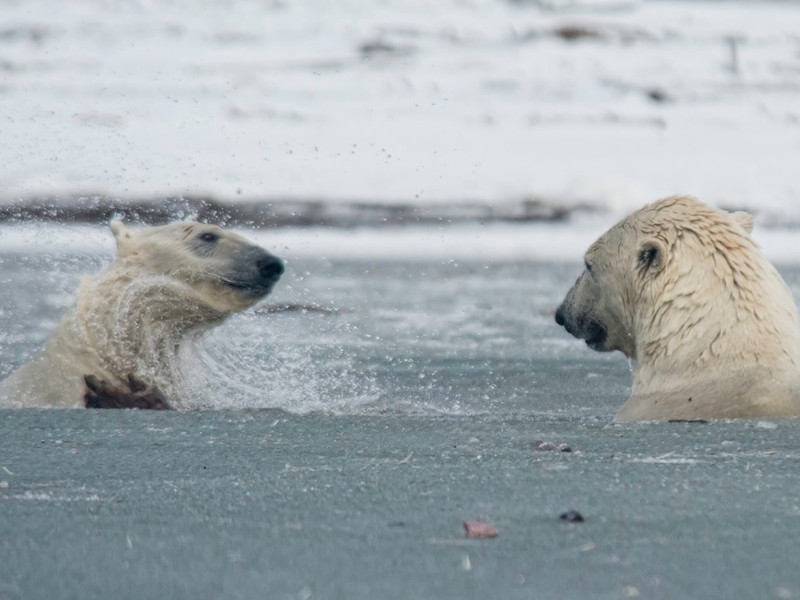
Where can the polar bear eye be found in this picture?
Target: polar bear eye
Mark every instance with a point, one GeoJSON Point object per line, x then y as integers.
{"type": "Point", "coordinates": [208, 237]}
{"type": "Point", "coordinates": [588, 266]}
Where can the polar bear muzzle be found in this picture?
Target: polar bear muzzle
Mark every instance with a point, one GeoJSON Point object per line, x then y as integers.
{"type": "Point", "coordinates": [590, 330]}
{"type": "Point", "coordinates": [254, 272]}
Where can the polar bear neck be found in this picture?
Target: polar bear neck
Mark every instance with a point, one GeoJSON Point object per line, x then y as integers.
{"type": "Point", "coordinates": [143, 330]}
{"type": "Point", "coordinates": [728, 318]}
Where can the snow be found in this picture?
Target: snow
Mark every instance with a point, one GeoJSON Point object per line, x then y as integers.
{"type": "Point", "coordinates": [413, 101]}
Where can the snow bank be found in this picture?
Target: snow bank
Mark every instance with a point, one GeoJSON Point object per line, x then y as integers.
{"type": "Point", "coordinates": [601, 103]}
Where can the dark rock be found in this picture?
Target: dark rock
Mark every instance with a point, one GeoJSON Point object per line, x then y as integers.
{"type": "Point", "coordinates": [551, 447]}
{"type": "Point", "coordinates": [571, 516]}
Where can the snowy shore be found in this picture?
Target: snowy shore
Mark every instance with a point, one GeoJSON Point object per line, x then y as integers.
{"type": "Point", "coordinates": [484, 102]}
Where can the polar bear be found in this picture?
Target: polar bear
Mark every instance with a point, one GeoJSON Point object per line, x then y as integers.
{"type": "Point", "coordinates": [682, 289]}
{"type": "Point", "coordinates": [123, 335]}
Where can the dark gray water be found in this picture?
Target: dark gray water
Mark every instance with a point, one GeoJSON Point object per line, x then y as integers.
{"type": "Point", "coordinates": [366, 437]}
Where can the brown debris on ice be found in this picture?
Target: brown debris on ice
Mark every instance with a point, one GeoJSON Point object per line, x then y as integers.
{"type": "Point", "coordinates": [479, 530]}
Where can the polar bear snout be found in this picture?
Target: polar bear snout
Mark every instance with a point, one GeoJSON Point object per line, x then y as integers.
{"type": "Point", "coordinates": [268, 270]}
{"type": "Point", "coordinates": [254, 272]}
{"type": "Point", "coordinates": [584, 327]}
{"type": "Point", "coordinates": [560, 320]}
{"type": "Point", "coordinates": [581, 325]}
{"type": "Point", "coordinates": [270, 267]}
{"type": "Point", "coordinates": [565, 314]}
{"type": "Point", "coordinates": [565, 319]}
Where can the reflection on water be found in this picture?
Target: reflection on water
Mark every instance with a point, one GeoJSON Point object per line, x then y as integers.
{"type": "Point", "coordinates": [420, 337]}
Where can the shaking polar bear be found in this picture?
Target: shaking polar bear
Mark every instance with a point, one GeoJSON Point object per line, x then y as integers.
{"type": "Point", "coordinates": [118, 344]}
{"type": "Point", "coordinates": [682, 289]}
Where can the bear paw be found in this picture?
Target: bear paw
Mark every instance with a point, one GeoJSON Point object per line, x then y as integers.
{"type": "Point", "coordinates": [101, 394]}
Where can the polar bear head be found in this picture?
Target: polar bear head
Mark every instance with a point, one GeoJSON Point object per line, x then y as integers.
{"type": "Point", "coordinates": [670, 255]}
{"type": "Point", "coordinates": [682, 288]}
{"type": "Point", "coordinates": [133, 325]}
{"type": "Point", "coordinates": [220, 267]}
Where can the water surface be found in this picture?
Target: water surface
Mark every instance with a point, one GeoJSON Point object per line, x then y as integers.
{"type": "Point", "coordinates": [346, 446]}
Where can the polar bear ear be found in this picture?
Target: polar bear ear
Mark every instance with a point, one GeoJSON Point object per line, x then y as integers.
{"type": "Point", "coordinates": [122, 235]}
{"type": "Point", "coordinates": [651, 255]}
{"type": "Point", "coordinates": [743, 220]}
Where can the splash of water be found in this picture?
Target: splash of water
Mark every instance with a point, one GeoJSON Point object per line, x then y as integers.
{"type": "Point", "coordinates": [246, 364]}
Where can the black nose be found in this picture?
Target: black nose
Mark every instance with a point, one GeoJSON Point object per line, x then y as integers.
{"type": "Point", "coordinates": [269, 267]}
{"type": "Point", "coordinates": [560, 316]}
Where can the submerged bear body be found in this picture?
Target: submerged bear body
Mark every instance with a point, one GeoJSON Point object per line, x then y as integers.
{"type": "Point", "coordinates": [682, 289]}
{"type": "Point", "coordinates": [167, 285]}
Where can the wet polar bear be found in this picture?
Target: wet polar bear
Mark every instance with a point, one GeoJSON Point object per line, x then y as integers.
{"type": "Point", "coordinates": [118, 345]}
{"type": "Point", "coordinates": [682, 289]}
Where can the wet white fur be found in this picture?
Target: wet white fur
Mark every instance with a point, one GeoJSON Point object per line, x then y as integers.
{"type": "Point", "coordinates": [134, 317]}
{"type": "Point", "coordinates": [712, 326]}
